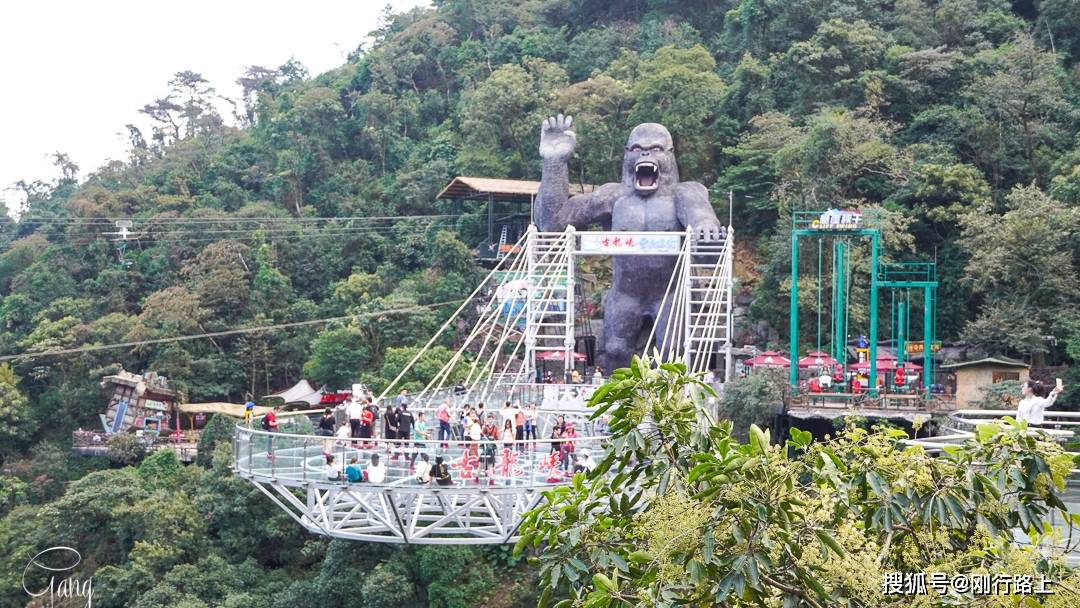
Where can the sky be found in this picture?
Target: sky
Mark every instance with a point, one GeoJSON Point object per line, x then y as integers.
{"type": "Point", "coordinates": [73, 73]}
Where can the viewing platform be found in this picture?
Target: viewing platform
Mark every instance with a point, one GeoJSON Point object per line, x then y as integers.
{"type": "Point", "coordinates": [491, 483]}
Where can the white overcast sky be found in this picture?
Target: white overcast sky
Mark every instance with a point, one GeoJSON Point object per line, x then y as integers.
{"type": "Point", "coordinates": [73, 73]}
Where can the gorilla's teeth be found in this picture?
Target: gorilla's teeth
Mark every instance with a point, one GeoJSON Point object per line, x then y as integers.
{"type": "Point", "coordinates": [646, 174]}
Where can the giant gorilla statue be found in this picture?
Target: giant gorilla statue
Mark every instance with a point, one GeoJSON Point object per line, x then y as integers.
{"type": "Point", "coordinates": [650, 197]}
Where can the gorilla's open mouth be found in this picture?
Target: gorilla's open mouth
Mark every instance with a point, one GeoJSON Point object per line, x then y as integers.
{"type": "Point", "coordinates": [646, 175]}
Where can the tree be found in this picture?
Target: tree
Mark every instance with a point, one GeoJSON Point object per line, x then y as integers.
{"type": "Point", "coordinates": [425, 369]}
{"type": "Point", "coordinates": [679, 512]}
{"type": "Point", "coordinates": [126, 449]}
{"type": "Point", "coordinates": [680, 89]}
{"type": "Point", "coordinates": [357, 288]}
{"type": "Point", "coordinates": [187, 110]}
{"type": "Point", "coordinates": [219, 275]}
{"type": "Point", "coordinates": [1023, 266]}
{"type": "Point", "coordinates": [416, 58]}
{"type": "Point", "coordinates": [15, 422]}
{"type": "Point", "coordinates": [837, 64]}
{"type": "Point", "coordinates": [942, 192]}
{"type": "Point", "coordinates": [839, 158]}
{"type": "Point", "coordinates": [752, 400]}
{"type": "Point", "coordinates": [162, 469]}
{"type": "Point", "coordinates": [1065, 184]}
{"type": "Point", "coordinates": [1022, 101]}
{"type": "Point", "coordinates": [600, 107]}
{"type": "Point", "coordinates": [387, 586]}
{"type": "Point", "coordinates": [437, 574]}
{"type": "Point", "coordinates": [338, 356]}
{"type": "Point", "coordinates": [503, 113]}
{"type": "Point", "coordinates": [593, 49]}
{"type": "Point", "coordinates": [218, 431]}
{"type": "Point", "coordinates": [255, 80]}
{"type": "Point", "coordinates": [756, 171]}
{"type": "Point", "coordinates": [751, 91]}
{"type": "Point", "coordinates": [171, 311]}
{"type": "Point", "coordinates": [1059, 17]}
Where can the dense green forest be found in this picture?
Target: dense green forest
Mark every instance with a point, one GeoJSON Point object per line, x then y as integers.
{"type": "Point", "coordinates": [955, 121]}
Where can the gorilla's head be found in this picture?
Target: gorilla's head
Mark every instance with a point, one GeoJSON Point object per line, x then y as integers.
{"type": "Point", "coordinates": [649, 163]}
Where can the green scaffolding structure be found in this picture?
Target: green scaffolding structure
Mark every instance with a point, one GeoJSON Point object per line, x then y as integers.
{"type": "Point", "coordinates": [843, 226]}
{"type": "Point", "coordinates": [903, 277]}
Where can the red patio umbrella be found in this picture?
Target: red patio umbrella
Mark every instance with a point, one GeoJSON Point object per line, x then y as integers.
{"type": "Point", "coordinates": [817, 359]}
{"type": "Point", "coordinates": [557, 355]}
{"type": "Point", "coordinates": [769, 358]}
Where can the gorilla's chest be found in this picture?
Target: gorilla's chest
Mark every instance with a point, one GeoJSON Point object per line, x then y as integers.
{"type": "Point", "coordinates": [635, 213]}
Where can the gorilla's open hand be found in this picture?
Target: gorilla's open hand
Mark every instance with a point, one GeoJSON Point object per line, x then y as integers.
{"type": "Point", "coordinates": [710, 231]}
{"type": "Point", "coordinates": [557, 141]}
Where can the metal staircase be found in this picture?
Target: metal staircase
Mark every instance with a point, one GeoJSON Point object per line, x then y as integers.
{"type": "Point", "coordinates": [503, 236]}
{"type": "Point", "coordinates": [550, 310]}
{"type": "Point", "coordinates": [708, 284]}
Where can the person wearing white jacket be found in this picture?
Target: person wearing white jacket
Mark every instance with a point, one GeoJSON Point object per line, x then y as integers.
{"type": "Point", "coordinates": [1036, 400]}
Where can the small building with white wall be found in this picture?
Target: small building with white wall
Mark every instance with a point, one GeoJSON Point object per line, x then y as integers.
{"type": "Point", "coordinates": [964, 379]}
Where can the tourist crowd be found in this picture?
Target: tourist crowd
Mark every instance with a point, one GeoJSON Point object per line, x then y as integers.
{"type": "Point", "coordinates": [488, 438]}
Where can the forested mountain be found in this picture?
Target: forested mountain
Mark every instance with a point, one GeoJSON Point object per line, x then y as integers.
{"type": "Point", "coordinates": [956, 121]}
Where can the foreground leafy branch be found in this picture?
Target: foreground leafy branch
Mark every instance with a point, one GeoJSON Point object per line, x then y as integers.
{"type": "Point", "coordinates": [680, 513]}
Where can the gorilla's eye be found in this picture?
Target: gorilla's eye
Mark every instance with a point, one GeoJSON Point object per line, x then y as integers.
{"type": "Point", "coordinates": [656, 148]}
{"type": "Point", "coordinates": [634, 148]}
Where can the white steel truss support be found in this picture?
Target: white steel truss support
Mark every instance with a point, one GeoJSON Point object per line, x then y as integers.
{"type": "Point", "coordinates": [409, 515]}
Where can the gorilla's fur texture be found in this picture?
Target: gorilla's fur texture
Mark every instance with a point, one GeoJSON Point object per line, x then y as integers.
{"type": "Point", "coordinates": [650, 197]}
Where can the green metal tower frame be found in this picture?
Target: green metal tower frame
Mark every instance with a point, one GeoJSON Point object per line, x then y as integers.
{"type": "Point", "coordinates": [915, 275]}
{"type": "Point", "coordinates": [806, 224]}
{"type": "Point", "coordinates": [906, 275]}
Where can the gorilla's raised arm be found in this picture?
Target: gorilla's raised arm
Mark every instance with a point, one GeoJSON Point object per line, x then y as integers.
{"type": "Point", "coordinates": [555, 208]}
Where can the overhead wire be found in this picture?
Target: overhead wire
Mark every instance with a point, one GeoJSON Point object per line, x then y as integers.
{"type": "Point", "coordinates": [273, 232]}
{"type": "Point", "coordinates": [273, 235]}
{"type": "Point", "coordinates": [224, 219]}
{"type": "Point", "coordinates": [227, 332]}
{"type": "Point", "coordinates": [272, 228]}
{"type": "Point", "coordinates": [165, 237]}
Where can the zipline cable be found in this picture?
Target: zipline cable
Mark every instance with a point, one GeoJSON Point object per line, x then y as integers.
{"type": "Point", "coordinates": [227, 332]}
{"type": "Point", "coordinates": [220, 220]}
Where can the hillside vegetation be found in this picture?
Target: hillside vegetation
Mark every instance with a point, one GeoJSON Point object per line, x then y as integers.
{"type": "Point", "coordinates": [954, 121]}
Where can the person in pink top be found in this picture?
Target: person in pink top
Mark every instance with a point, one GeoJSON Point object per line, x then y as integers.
{"type": "Point", "coordinates": [566, 449]}
{"type": "Point", "coordinates": [443, 415]}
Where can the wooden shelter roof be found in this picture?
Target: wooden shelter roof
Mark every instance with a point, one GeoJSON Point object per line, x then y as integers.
{"type": "Point", "coordinates": [990, 361]}
{"type": "Point", "coordinates": [466, 187]}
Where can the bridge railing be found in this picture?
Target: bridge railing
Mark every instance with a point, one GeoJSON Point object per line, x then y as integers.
{"type": "Point", "coordinates": [965, 420]}
{"type": "Point", "coordinates": [553, 400]}
{"type": "Point", "coordinates": [302, 459]}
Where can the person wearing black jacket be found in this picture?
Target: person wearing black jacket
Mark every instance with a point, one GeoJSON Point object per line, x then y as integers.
{"type": "Point", "coordinates": [390, 423]}
{"type": "Point", "coordinates": [390, 428]}
{"type": "Point", "coordinates": [327, 423]}
{"type": "Point", "coordinates": [442, 473]}
{"type": "Point", "coordinates": [405, 424]}
{"type": "Point", "coordinates": [326, 429]}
